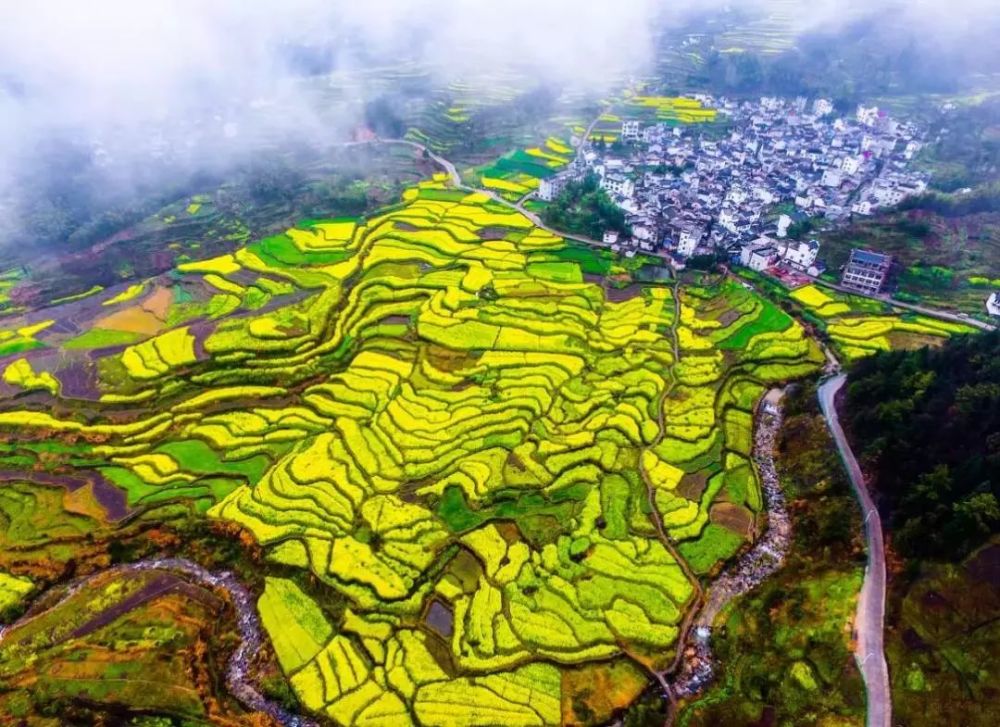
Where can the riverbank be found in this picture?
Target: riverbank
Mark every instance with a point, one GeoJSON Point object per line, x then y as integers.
{"type": "Point", "coordinates": [763, 559]}
{"type": "Point", "coordinates": [780, 652]}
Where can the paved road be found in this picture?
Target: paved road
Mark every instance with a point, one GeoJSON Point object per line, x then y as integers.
{"type": "Point", "coordinates": [932, 312]}
{"type": "Point", "coordinates": [869, 623]}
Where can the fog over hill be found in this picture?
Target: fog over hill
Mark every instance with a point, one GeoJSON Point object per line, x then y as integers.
{"type": "Point", "coordinates": [91, 94]}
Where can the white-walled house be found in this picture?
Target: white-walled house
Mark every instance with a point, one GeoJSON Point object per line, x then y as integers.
{"type": "Point", "coordinates": [832, 177]}
{"type": "Point", "coordinates": [549, 189]}
{"type": "Point", "coordinates": [784, 222]}
{"type": "Point", "coordinates": [851, 165]}
{"type": "Point", "coordinates": [798, 253]}
{"type": "Point", "coordinates": [618, 184]}
{"type": "Point", "coordinates": [993, 304]}
{"type": "Point", "coordinates": [688, 240]}
{"type": "Point", "coordinates": [762, 258]}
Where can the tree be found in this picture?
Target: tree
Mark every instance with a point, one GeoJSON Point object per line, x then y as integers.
{"type": "Point", "coordinates": [928, 425]}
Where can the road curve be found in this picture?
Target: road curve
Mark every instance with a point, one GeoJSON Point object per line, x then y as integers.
{"type": "Point", "coordinates": [869, 622]}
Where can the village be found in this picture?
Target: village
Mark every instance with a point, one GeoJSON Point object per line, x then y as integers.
{"type": "Point", "coordinates": [745, 196]}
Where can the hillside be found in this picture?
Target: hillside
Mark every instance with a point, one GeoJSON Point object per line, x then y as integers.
{"type": "Point", "coordinates": [944, 260]}
{"type": "Point", "coordinates": [927, 426]}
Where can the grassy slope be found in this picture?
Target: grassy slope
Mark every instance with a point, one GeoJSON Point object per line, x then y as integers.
{"type": "Point", "coordinates": [938, 254]}
{"type": "Point", "coordinates": [783, 650]}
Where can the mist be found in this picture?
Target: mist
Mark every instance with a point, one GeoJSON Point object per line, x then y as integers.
{"type": "Point", "coordinates": [140, 91]}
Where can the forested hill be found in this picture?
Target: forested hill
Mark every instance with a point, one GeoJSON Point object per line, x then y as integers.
{"type": "Point", "coordinates": [927, 424]}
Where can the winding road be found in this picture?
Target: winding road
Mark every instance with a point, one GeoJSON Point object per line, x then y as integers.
{"type": "Point", "coordinates": [869, 623]}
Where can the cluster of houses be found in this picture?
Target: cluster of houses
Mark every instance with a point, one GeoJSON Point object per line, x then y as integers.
{"type": "Point", "coordinates": [687, 191]}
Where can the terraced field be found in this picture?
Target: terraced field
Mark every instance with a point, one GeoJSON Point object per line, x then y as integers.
{"type": "Point", "coordinates": [634, 104]}
{"type": "Point", "coordinates": [858, 326]}
{"type": "Point", "coordinates": [520, 172]}
{"type": "Point", "coordinates": [513, 477]}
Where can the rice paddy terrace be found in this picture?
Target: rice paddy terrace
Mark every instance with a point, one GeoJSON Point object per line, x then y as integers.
{"type": "Point", "coordinates": [480, 482]}
{"type": "Point", "coordinates": [858, 327]}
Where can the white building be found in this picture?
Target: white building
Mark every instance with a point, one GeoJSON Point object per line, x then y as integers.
{"type": "Point", "coordinates": [762, 258]}
{"type": "Point", "coordinates": [993, 304]}
{"type": "Point", "coordinates": [862, 207]}
{"type": "Point", "coordinates": [867, 115]}
{"type": "Point", "coordinates": [610, 237]}
{"type": "Point", "coordinates": [851, 165]}
{"type": "Point", "coordinates": [549, 189]}
{"type": "Point", "coordinates": [688, 240]}
{"type": "Point", "coordinates": [617, 184]}
{"type": "Point", "coordinates": [728, 218]}
{"type": "Point", "coordinates": [736, 195]}
{"type": "Point", "coordinates": [759, 254]}
{"type": "Point", "coordinates": [887, 195]}
{"type": "Point", "coordinates": [798, 253]}
{"type": "Point", "coordinates": [641, 232]}
{"type": "Point", "coordinates": [630, 131]}
{"type": "Point", "coordinates": [822, 107]}
{"type": "Point", "coordinates": [784, 222]}
{"type": "Point", "coordinates": [832, 177]}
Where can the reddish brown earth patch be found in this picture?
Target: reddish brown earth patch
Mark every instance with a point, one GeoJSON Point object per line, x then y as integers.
{"type": "Point", "coordinates": [692, 485]}
{"type": "Point", "coordinates": [732, 517]}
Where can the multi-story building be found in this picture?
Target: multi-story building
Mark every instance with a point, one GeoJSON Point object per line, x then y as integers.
{"type": "Point", "coordinates": [762, 258]}
{"type": "Point", "coordinates": [851, 165]}
{"type": "Point", "coordinates": [866, 271]}
{"type": "Point", "coordinates": [799, 253]}
{"type": "Point", "coordinates": [759, 254]}
{"type": "Point", "coordinates": [549, 189]}
{"type": "Point", "coordinates": [617, 184]}
{"type": "Point", "coordinates": [993, 304]}
{"type": "Point", "coordinates": [688, 240]}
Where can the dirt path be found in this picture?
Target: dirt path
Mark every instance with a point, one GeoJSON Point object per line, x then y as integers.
{"type": "Point", "coordinates": [698, 593]}
{"type": "Point", "coordinates": [869, 623]}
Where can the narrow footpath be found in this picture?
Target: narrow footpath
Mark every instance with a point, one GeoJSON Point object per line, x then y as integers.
{"type": "Point", "coordinates": [869, 622]}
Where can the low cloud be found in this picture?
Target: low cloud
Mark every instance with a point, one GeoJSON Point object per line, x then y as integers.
{"type": "Point", "coordinates": [209, 79]}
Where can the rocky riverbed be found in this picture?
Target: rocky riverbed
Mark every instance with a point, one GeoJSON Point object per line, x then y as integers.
{"type": "Point", "coordinates": [238, 678]}
{"type": "Point", "coordinates": [760, 561]}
